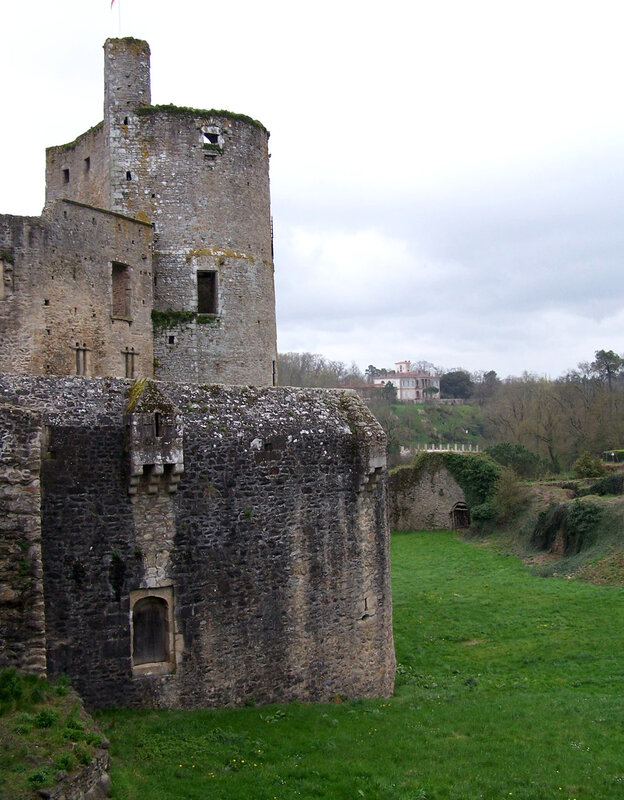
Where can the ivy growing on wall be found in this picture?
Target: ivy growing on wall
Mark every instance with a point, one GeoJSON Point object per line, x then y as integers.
{"type": "Point", "coordinates": [477, 474]}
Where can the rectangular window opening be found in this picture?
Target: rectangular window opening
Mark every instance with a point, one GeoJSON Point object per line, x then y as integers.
{"type": "Point", "coordinates": [207, 292]}
{"type": "Point", "coordinates": [87, 163]}
{"type": "Point", "coordinates": [65, 176]}
{"type": "Point", "coordinates": [121, 290]}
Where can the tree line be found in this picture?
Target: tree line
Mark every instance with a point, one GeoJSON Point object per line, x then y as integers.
{"type": "Point", "coordinates": [557, 420]}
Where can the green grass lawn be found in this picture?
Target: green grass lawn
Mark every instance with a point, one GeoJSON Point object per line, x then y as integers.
{"type": "Point", "coordinates": [509, 686]}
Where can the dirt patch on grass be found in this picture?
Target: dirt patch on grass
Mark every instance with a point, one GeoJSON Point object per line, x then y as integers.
{"type": "Point", "coordinates": [608, 571]}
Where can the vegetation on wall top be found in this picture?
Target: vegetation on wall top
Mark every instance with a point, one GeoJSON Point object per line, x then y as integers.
{"type": "Point", "coordinates": [183, 111]}
{"type": "Point", "coordinates": [164, 320]}
{"type": "Point", "coordinates": [72, 145]}
{"type": "Point", "coordinates": [148, 397]}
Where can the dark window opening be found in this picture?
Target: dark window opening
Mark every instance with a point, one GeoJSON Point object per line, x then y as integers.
{"type": "Point", "coordinates": [211, 138]}
{"type": "Point", "coordinates": [46, 302]}
{"type": "Point", "coordinates": [157, 425]}
{"type": "Point", "coordinates": [125, 122]}
{"type": "Point", "coordinates": [121, 290]}
{"type": "Point", "coordinates": [207, 292]}
{"type": "Point", "coordinates": [274, 372]}
{"type": "Point", "coordinates": [87, 164]}
{"type": "Point", "coordinates": [128, 175]}
{"type": "Point", "coordinates": [150, 625]}
{"type": "Point", "coordinates": [172, 340]}
{"type": "Point", "coordinates": [65, 176]}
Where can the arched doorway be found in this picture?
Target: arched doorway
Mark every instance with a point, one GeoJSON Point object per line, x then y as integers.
{"type": "Point", "coordinates": [460, 516]}
{"type": "Point", "coordinates": [150, 625]}
{"type": "Point", "coordinates": [152, 631]}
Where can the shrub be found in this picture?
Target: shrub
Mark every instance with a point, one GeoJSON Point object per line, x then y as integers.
{"type": "Point", "coordinates": [11, 685]}
{"type": "Point", "coordinates": [581, 522]}
{"type": "Point", "coordinates": [510, 496]}
{"type": "Point", "coordinates": [83, 754]}
{"type": "Point", "coordinates": [46, 718]}
{"type": "Point", "coordinates": [522, 461]}
{"type": "Point", "coordinates": [588, 466]}
{"type": "Point", "coordinates": [61, 687]}
{"type": "Point", "coordinates": [574, 523]}
{"type": "Point", "coordinates": [66, 761]}
{"type": "Point", "coordinates": [482, 512]}
{"type": "Point", "coordinates": [611, 484]}
{"type": "Point", "coordinates": [40, 777]}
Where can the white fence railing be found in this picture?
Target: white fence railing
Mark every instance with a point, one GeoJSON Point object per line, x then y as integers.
{"type": "Point", "coordinates": [439, 447]}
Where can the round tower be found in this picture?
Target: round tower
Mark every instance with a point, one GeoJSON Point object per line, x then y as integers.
{"type": "Point", "coordinates": [214, 297]}
{"type": "Point", "coordinates": [202, 179]}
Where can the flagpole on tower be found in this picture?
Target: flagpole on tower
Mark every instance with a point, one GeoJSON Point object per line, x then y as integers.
{"type": "Point", "coordinates": [118, 14]}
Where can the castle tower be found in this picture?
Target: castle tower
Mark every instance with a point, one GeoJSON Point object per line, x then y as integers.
{"type": "Point", "coordinates": [201, 179]}
{"type": "Point", "coordinates": [126, 88]}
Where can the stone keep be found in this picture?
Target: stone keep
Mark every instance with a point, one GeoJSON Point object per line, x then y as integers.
{"type": "Point", "coordinates": [153, 257]}
{"type": "Point", "coordinates": [176, 542]}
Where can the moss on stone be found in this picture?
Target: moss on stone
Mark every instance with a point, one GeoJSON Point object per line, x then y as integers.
{"type": "Point", "coordinates": [72, 145]}
{"type": "Point", "coordinates": [164, 320]}
{"type": "Point", "coordinates": [186, 111]}
{"type": "Point", "coordinates": [145, 397]}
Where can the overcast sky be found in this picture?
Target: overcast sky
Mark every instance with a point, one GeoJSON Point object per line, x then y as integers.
{"type": "Point", "coordinates": [447, 176]}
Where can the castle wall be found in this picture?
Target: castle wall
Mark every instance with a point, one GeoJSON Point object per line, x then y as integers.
{"type": "Point", "coordinates": [57, 313]}
{"type": "Point", "coordinates": [211, 212]}
{"type": "Point", "coordinates": [202, 179]}
{"type": "Point", "coordinates": [22, 621]}
{"type": "Point", "coordinates": [272, 553]}
{"type": "Point", "coordinates": [422, 500]}
{"type": "Point", "coordinates": [80, 170]}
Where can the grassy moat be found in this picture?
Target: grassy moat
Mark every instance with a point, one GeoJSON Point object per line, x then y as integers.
{"type": "Point", "coordinates": [509, 686]}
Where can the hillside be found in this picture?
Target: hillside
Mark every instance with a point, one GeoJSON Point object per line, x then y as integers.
{"type": "Point", "coordinates": [410, 425]}
{"type": "Point", "coordinates": [571, 528]}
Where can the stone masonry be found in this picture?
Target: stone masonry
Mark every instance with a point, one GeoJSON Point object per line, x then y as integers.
{"type": "Point", "coordinates": [269, 550]}
{"type": "Point", "coordinates": [423, 500]}
{"type": "Point", "coordinates": [201, 179]}
{"type": "Point", "coordinates": [168, 538]}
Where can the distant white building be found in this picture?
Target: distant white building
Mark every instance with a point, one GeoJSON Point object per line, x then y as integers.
{"type": "Point", "coordinates": [413, 386]}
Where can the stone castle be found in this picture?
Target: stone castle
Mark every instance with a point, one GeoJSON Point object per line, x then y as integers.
{"type": "Point", "coordinates": [175, 529]}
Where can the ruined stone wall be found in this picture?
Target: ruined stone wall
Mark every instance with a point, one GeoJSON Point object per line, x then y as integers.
{"type": "Point", "coordinates": [57, 292]}
{"type": "Point", "coordinates": [422, 500]}
{"type": "Point", "coordinates": [22, 622]}
{"type": "Point", "coordinates": [80, 170]}
{"type": "Point", "coordinates": [273, 550]}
